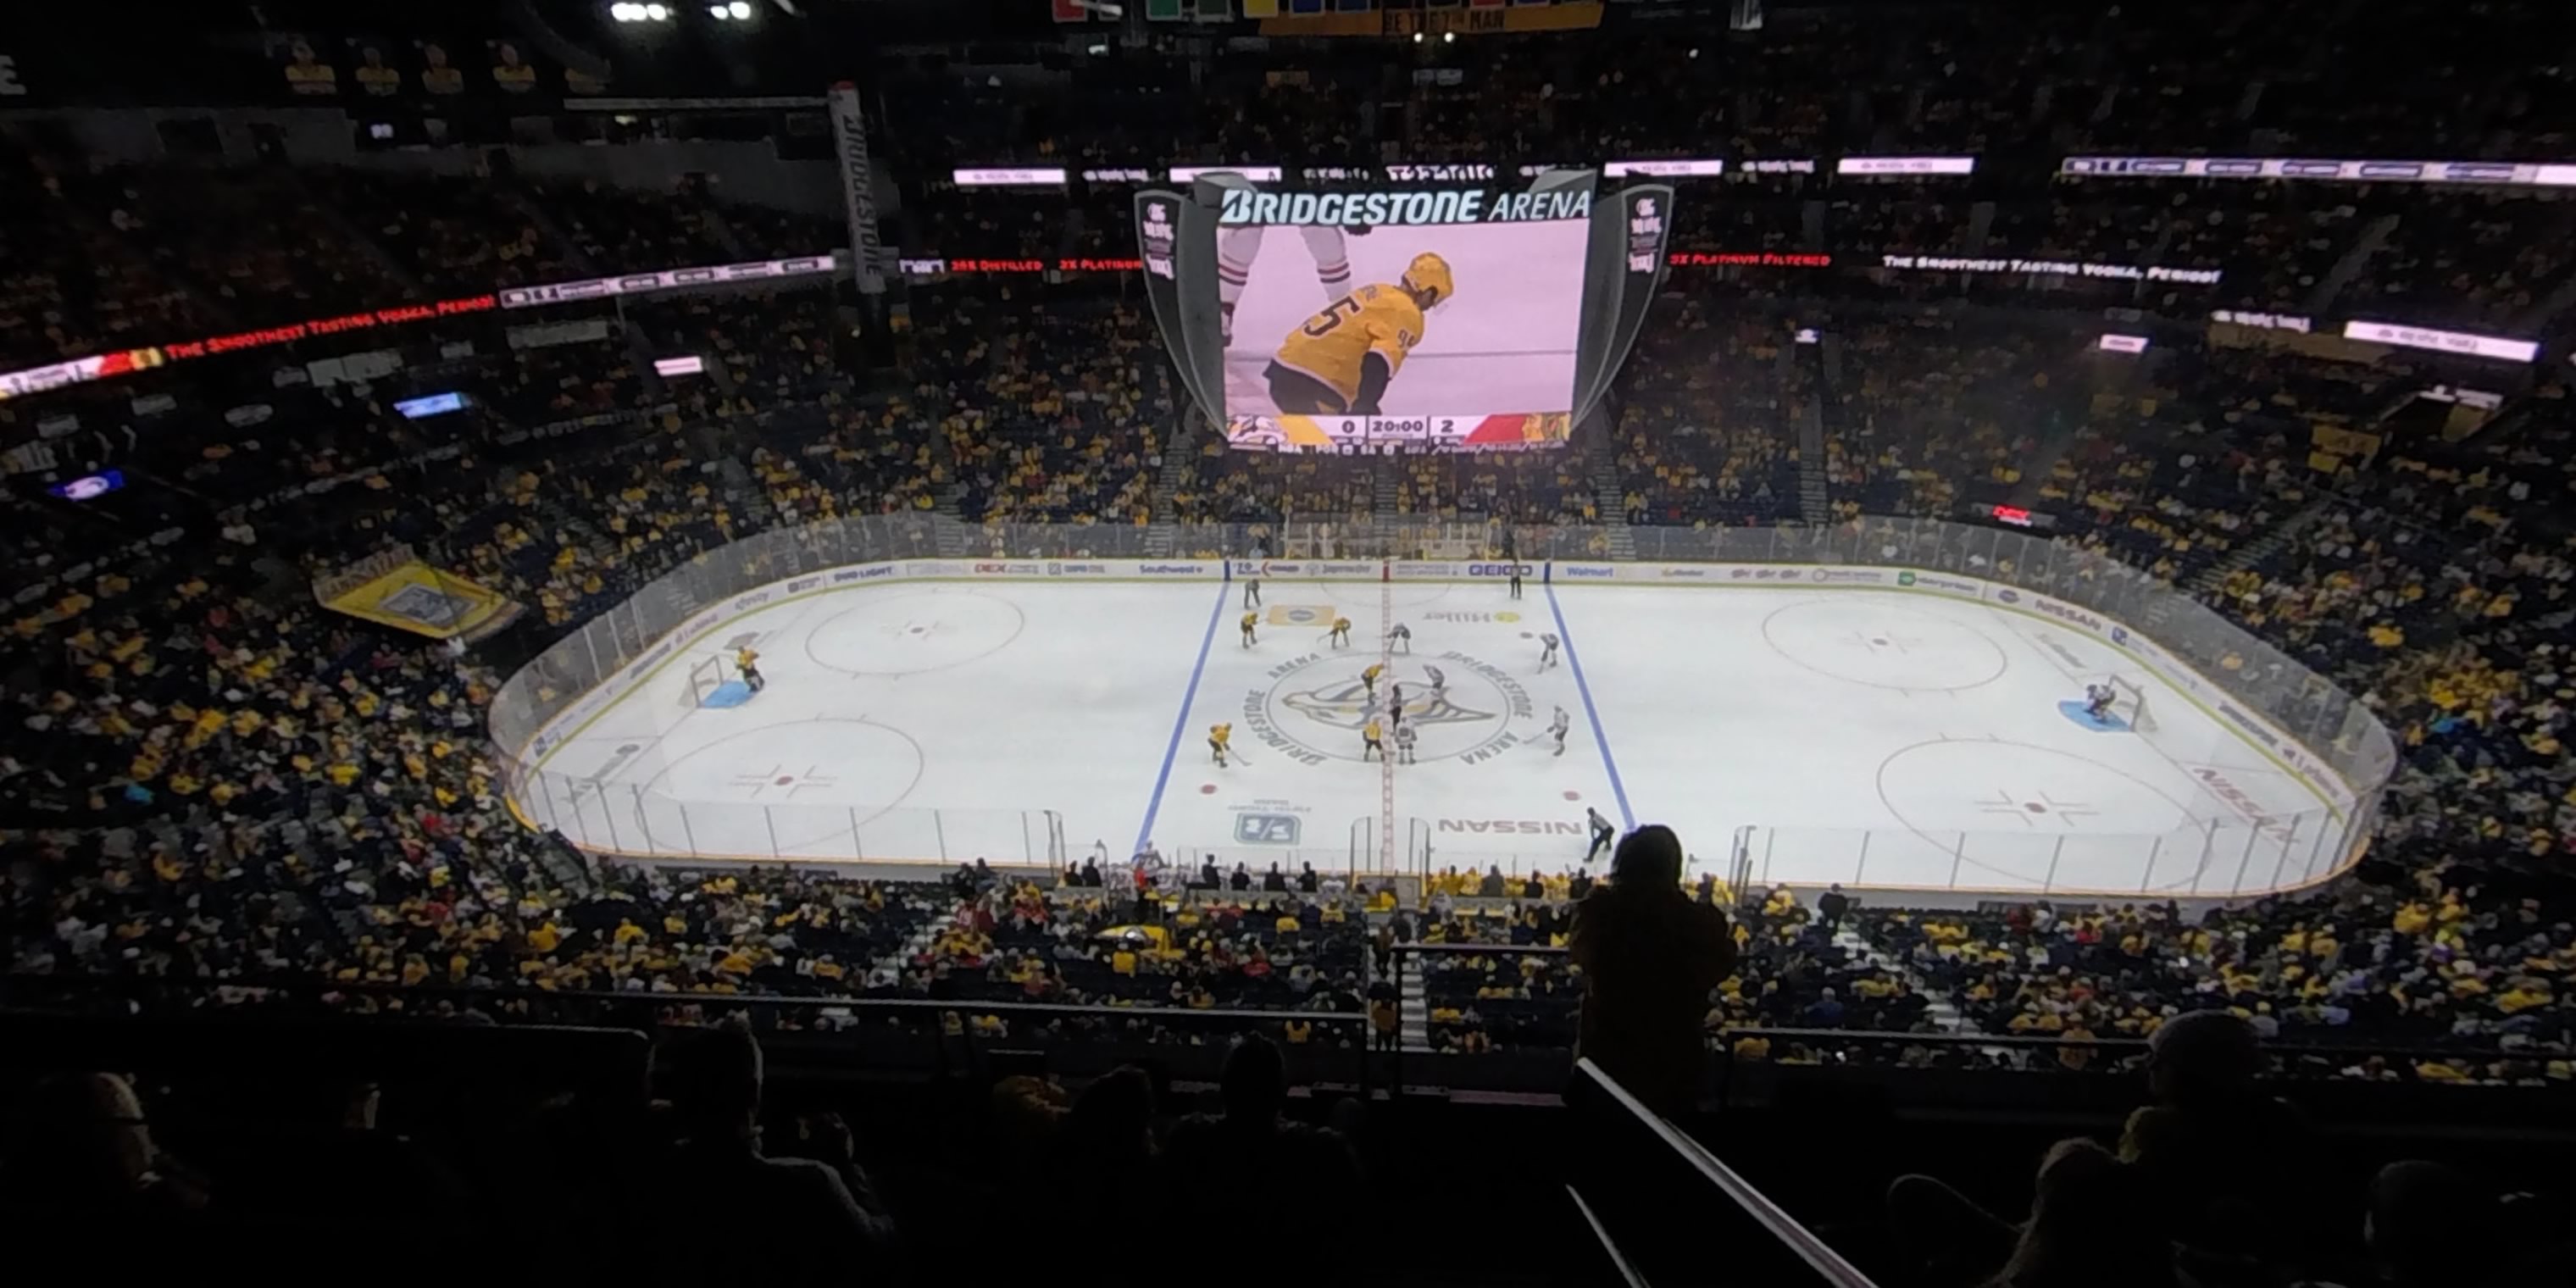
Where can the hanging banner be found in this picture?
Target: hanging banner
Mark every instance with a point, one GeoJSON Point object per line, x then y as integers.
{"type": "Point", "coordinates": [858, 190]}
{"type": "Point", "coordinates": [396, 589]}
{"type": "Point", "coordinates": [1160, 245]}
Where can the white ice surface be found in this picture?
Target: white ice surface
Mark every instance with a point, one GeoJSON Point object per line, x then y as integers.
{"type": "Point", "coordinates": [1870, 738]}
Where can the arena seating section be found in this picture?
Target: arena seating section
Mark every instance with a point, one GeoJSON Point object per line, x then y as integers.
{"type": "Point", "coordinates": [214, 797]}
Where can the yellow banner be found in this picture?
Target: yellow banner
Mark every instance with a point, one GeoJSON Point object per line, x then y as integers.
{"type": "Point", "coordinates": [1437, 22]}
{"type": "Point", "coordinates": [396, 589]}
{"type": "Point", "coordinates": [2463, 421]}
{"type": "Point", "coordinates": [2335, 440]}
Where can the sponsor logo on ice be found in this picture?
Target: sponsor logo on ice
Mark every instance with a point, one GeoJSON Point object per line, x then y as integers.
{"type": "Point", "coordinates": [2241, 803]}
{"type": "Point", "coordinates": [1268, 829]}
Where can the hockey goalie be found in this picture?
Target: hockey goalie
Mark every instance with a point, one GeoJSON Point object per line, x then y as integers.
{"type": "Point", "coordinates": [2097, 702]}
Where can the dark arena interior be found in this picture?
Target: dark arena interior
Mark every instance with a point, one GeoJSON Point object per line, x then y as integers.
{"type": "Point", "coordinates": [1260, 642]}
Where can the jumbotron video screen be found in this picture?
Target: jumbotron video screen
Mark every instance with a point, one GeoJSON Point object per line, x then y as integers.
{"type": "Point", "coordinates": [1420, 334]}
{"type": "Point", "coordinates": [1393, 320]}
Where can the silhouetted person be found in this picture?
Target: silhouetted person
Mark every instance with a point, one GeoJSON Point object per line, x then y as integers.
{"type": "Point", "coordinates": [2086, 1229]}
{"type": "Point", "coordinates": [2204, 1144]}
{"type": "Point", "coordinates": [1250, 1159]}
{"type": "Point", "coordinates": [831, 1226]}
{"type": "Point", "coordinates": [1649, 956]}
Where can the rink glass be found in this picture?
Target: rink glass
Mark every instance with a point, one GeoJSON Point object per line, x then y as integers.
{"type": "Point", "coordinates": [2331, 726]}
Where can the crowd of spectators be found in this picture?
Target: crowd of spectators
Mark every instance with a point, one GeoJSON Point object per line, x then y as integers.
{"type": "Point", "coordinates": [1703, 435]}
{"type": "Point", "coordinates": [209, 784]}
{"type": "Point", "coordinates": [327, 800]}
{"type": "Point", "coordinates": [1229, 486]}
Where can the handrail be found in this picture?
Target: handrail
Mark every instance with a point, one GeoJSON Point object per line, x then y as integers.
{"type": "Point", "coordinates": [1778, 1224]}
{"type": "Point", "coordinates": [107, 983]}
{"type": "Point", "coordinates": [2278, 1047]}
{"type": "Point", "coordinates": [1601, 1235]}
{"type": "Point", "coordinates": [1532, 950]}
{"type": "Point", "coordinates": [1354, 1019]}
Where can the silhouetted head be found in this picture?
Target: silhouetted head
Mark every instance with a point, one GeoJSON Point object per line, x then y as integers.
{"type": "Point", "coordinates": [1649, 858]}
{"type": "Point", "coordinates": [1255, 1082]}
{"type": "Point", "coordinates": [713, 1079]}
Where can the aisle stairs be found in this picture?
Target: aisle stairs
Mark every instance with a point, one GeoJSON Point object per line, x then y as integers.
{"type": "Point", "coordinates": [1815, 505]}
{"type": "Point", "coordinates": [1180, 456]}
{"type": "Point", "coordinates": [1413, 1010]}
{"type": "Point", "coordinates": [1936, 1005]}
{"type": "Point", "coordinates": [2249, 553]}
{"type": "Point", "coordinates": [2348, 266]}
{"type": "Point", "coordinates": [1603, 459]}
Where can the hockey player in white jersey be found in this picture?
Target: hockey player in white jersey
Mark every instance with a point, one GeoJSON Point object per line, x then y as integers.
{"type": "Point", "coordinates": [1400, 634]}
{"type": "Point", "coordinates": [1557, 727]}
{"type": "Point", "coordinates": [1238, 245]}
{"type": "Point", "coordinates": [1547, 651]}
{"type": "Point", "coordinates": [1439, 682]}
{"type": "Point", "coordinates": [1404, 744]}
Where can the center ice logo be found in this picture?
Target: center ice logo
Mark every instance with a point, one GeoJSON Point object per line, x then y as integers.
{"type": "Point", "coordinates": [1315, 707]}
{"type": "Point", "coordinates": [1349, 705]}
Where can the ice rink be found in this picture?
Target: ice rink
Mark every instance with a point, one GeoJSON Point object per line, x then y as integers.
{"type": "Point", "coordinates": [1504, 346]}
{"type": "Point", "coordinates": [1875, 738]}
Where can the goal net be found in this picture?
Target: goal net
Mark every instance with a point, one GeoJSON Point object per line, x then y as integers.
{"type": "Point", "coordinates": [706, 675]}
{"type": "Point", "coordinates": [2129, 702]}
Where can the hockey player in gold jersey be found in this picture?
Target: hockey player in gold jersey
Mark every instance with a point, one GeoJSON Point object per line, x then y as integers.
{"type": "Point", "coordinates": [1338, 362]}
